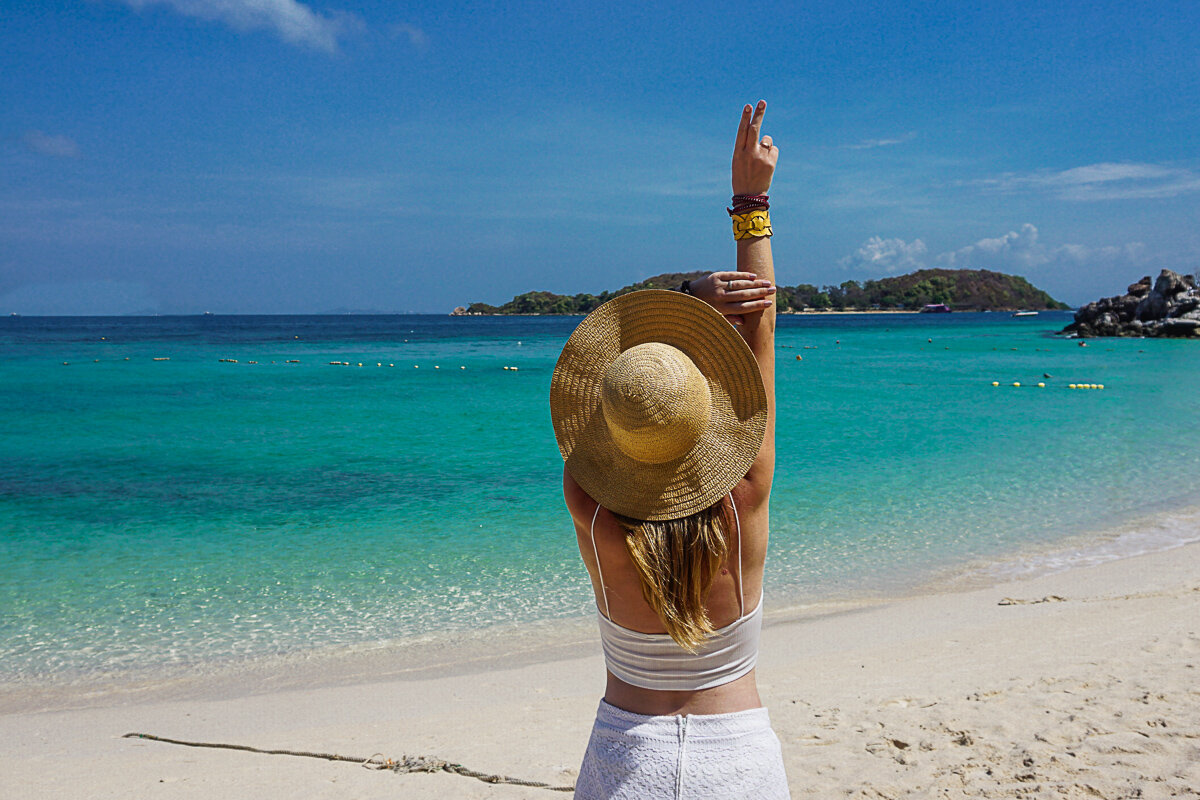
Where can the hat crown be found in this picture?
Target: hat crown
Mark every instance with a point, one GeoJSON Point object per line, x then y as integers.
{"type": "Point", "coordinates": [656, 402]}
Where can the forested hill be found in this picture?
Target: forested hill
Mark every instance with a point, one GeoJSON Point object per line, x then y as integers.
{"type": "Point", "coordinates": [961, 289]}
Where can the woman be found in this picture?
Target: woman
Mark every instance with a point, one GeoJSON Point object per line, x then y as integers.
{"type": "Point", "coordinates": [664, 413]}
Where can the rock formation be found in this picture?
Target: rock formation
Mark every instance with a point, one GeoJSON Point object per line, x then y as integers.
{"type": "Point", "coordinates": [1168, 307]}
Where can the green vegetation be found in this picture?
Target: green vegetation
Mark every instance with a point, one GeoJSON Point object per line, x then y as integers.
{"type": "Point", "coordinates": [961, 289]}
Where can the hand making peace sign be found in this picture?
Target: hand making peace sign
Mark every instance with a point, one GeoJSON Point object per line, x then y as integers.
{"type": "Point", "coordinates": [754, 159]}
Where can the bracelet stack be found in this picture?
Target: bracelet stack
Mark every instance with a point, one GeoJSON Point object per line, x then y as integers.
{"type": "Point", "coordinates": [748, 202]}
{"type": "Point", "coordinates": [750, 216]}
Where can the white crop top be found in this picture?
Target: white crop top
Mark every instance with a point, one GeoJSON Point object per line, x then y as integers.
{"type": "Point", "coordinates": [656, 661]}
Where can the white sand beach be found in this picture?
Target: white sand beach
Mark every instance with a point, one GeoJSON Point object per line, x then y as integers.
{"type": "Point", "coordinates": [1081, 684]}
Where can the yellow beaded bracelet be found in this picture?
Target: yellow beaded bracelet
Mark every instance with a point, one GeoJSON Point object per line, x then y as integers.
{"type": "Point", "coordinates": [751, 225]}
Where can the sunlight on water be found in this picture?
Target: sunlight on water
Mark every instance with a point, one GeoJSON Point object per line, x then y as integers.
{"type": "Point", "coordinates": [176, 512]}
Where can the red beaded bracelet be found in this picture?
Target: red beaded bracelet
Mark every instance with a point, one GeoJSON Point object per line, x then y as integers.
{"type": "Point", "coordinates": [748, 202]}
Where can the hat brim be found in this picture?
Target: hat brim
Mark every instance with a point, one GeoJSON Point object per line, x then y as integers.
{"type": "Point", "coordinates": [725, 450]}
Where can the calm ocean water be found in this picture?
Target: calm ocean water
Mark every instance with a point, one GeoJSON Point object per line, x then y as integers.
{"type": "Point", "coordinates": [194, 511]}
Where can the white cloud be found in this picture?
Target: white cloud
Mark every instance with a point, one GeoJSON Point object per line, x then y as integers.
{"type": "Point", "coordinates": [1019, 252]}
{"type": "Point", "coordinates": [292, 21]}
{"type": "Point", "coordinates": [878, 255]}
{"type": "Point", "coordinates": [51, 145]}
{"type": "Point", "coordinates": [868, 144]}
{"type": "Point", "coordinates": [1104, 181]}
{"type": "Point", "coordinates": [1022, 251]}
{"type": "Point", "coordinates": [416, 37]}
{"type": "Point", "coordinates": [1013, 249]}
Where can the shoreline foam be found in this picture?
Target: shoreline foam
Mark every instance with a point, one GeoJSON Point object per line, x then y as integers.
{"type": "Point", "coordinates": [461, 652]}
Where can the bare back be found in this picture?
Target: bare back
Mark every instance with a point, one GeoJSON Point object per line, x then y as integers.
{"type": "Point", "coordinates": [745, 298]}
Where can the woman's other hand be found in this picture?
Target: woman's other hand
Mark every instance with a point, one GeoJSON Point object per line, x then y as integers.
{"type": "Point", "coordinates": [734, 293]}
{"type": "Point", "coordinates": [754, 158]}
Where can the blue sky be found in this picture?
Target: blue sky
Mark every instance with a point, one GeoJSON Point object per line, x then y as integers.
{"type": "Point", "coordinates": [275, 156]}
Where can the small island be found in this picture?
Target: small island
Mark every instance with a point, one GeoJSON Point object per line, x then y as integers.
{"type": "Point", "coordinates": [957, 289]}
{"type": "Point", "coordinates": [1170, 307]}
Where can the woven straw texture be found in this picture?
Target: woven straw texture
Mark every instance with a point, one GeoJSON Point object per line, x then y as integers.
{"type": "Point", "coordinates": [726, 446]}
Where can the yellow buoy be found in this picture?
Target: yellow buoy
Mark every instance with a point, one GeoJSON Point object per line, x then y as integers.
{"type": "Point", "coordinates": [1016, 383]}
{"type": "Point", "coordinates": [360, 363]}
{"type": "Point", "coordinates": [1041, 386]}
{"type": "Point", "coordinates": [435, 366]}
{"type": "Point", "coordinates": [1100, 386]}
{"type": "Point", "coordinates": [462, 367]}
{"type": "Point", "coordinates": [995, 383]}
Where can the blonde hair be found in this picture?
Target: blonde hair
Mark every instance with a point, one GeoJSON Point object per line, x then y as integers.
{"type": "Point", "coordinates": [676, 562]}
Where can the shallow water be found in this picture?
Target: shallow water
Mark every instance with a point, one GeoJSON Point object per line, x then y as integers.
{"type": "Point", "coordinates": [192, 511]}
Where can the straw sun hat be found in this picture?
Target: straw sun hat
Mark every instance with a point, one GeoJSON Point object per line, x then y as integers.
{"type": "Point", "coordinates": [658, 405]}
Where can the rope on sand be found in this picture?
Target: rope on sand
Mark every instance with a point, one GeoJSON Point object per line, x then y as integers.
{"type": "Point", "coordinates": [375, 761]}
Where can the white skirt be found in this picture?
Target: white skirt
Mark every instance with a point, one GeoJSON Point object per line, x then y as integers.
{"type": "Point", "coordinates": [692, 757]}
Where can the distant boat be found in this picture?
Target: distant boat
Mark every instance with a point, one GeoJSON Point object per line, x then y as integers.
{"type": "Point", "coordinates": [936, 308]}
{"type": "Point", "coordinates": [14, 314]}
{"type": "Point", "coordinates": [1025, 314]}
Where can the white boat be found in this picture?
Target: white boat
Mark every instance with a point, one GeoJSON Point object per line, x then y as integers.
{"type": "Point", "coordinates": [1025, 314]}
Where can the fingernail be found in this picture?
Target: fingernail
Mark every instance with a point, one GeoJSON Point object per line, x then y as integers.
{"type": "Point", "coordinates": [771, 290]}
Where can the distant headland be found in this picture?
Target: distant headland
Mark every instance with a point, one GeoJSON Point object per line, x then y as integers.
{"type": "Point", "coordinates": [960, 289]}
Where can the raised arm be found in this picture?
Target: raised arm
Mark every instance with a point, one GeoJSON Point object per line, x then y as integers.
{"type": "Point", "coordinates": [754, 160]}
{"type": "Point", "coordinates": [748, 293]}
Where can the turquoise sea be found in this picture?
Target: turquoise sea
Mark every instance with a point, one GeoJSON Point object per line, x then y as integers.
{"type": "Point", "coordinates": [159, 514]}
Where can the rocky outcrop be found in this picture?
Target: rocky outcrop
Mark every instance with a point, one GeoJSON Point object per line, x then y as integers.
{"type": "Point", "coordinates": [1170, 306]}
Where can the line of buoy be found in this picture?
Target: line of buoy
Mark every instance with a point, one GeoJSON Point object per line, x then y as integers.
{"type": "Point", "coordinates": [1085, 386]}
{"type": "Point", "coordinates": [292, 361]}
{"type": "Point", "coordinates": [1017, 384]}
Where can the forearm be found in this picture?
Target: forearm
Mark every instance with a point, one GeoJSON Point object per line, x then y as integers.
{"type": "Point", "coordinates": [758, 328]}
{"type": "Point", "coordinates": [754, 255]}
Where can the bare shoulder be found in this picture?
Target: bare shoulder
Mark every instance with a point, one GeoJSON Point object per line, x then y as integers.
{"type": "Point", "coordinates": [753, 492]}
{"type": "Point", "coordinates": [579, 503]}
